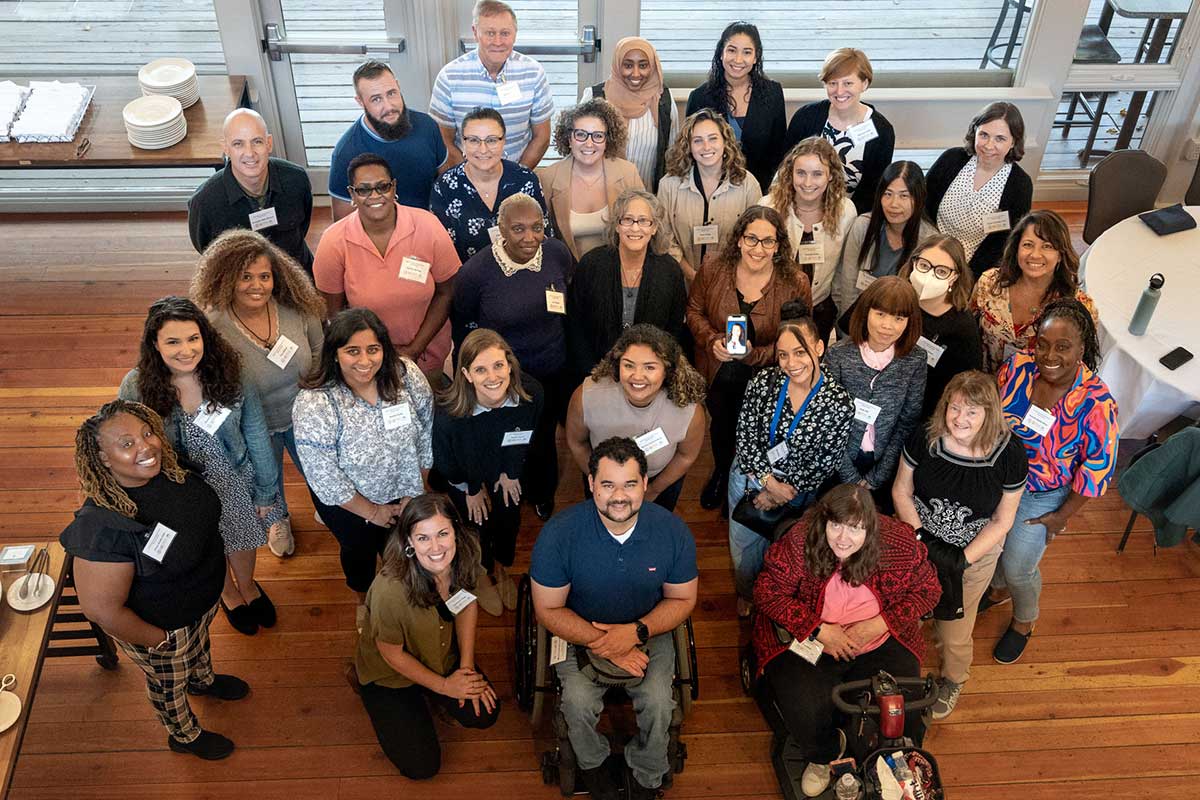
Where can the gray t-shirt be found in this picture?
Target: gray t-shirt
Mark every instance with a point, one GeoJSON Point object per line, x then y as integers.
{"type": "Point", "coordinates": [628, 304]}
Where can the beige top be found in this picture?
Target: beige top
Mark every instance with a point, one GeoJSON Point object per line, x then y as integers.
{"type": "Point", "coordinates": [589, 229]}
{"type": "Point", "coordinates": [607, 413]}
{"type": "Point", "coordinates": [619, 175]}
{"type": "Point", "coordinates": [683, 206]}
{"type": "Point", "coordinates": [822, 277]}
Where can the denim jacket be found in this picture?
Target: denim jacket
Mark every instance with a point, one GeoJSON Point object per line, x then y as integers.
{"type": "Point", "coordinates": [243, 434]}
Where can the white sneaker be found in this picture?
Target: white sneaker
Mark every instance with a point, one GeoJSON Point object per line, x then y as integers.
{"type": "Point", "coordinates": [815, 780]}
{"type": "Point", "coordinates": [280, 539]}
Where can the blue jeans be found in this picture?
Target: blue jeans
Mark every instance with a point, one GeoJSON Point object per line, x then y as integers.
{"type": "Point", "coordinates": [1023, 548]}
{"type": "Point", "coordinates": [279, 442]}
{"type": "Point", "coordinates": [746, 547]}
{"type": "Point", "coordinates": [653, 702]}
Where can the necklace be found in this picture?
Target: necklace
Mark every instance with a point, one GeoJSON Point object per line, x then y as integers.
{"type": "Point", "coordinates": [631, 281]}
{"type": "Point", "coordinates": [265, 342]}
{"type": "Point", "coordinates": [587, 182]}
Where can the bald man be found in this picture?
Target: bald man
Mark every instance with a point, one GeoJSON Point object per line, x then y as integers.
{"type": "Point", "coordinates": [253, 190]}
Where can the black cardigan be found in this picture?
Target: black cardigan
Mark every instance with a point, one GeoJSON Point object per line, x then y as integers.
{"type": "Point", "coordinates": [810, 119]}
{"type": "Point", "coordinates": [664, 132]}
{"type": "Point", "coordinates": [1016, 199]}
{"type": "Point", "coordinates": [594, 324]}
{"type": "Point", "coordinates": [471, 449]}
{"type": "Point", "coordinates": [764, 130]}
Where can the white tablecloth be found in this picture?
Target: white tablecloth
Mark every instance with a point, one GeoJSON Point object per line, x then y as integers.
{"type": "Point", "coordinates": [1119, 266]}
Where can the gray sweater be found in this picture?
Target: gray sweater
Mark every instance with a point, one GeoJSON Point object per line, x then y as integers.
{"type": "Point", "coordinates": [276, 387]}
{"type": "Point", "coordinates": [898, 389]}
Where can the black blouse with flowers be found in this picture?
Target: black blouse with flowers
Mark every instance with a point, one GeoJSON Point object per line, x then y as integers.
{"type": "Point", "coordinates": [466, 217]}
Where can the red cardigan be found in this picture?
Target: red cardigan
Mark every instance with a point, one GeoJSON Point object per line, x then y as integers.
{"type": "Point", "coordinates": [787, 593]}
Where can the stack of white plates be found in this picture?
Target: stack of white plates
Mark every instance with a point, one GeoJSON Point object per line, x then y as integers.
{"type": "Point", "coordinates": [154, 122]}
{"type": "Point", "coordinates": [174, 77]}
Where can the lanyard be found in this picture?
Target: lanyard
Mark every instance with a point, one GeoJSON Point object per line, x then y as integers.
{"type": "Point", "coordinates": [800, 413]}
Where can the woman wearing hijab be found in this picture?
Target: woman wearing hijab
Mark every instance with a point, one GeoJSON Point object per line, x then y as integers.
{"type": "Point", "coordinates": [636, 87]}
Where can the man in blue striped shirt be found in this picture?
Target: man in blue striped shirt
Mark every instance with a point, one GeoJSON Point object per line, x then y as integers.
{"type": "Point", "coordinates": [495, 76]}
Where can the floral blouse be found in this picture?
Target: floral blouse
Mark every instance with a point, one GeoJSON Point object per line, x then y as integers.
{"type": "Point", "coordinates": [816, 446]}
{"type": "Point", "coordinates": [996, 329]}
{"type": "Point", "coordinates": [347, 445]}
{"type": "Point", "coordinates": [464, 214]}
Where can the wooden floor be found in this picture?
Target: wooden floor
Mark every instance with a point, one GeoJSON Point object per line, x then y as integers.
{"type": "Point", "coordinates": [1104, 703]}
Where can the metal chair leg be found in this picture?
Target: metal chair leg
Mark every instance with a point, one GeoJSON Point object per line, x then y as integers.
{"type": "Point", "coordinates": [987, 51]}
{"type": "Point", "coordinates": [1097, 119]}
{"type": "Point", "coordinates": [1016, 31]}
{"type": "Point", "coordinates": [1125, 538]}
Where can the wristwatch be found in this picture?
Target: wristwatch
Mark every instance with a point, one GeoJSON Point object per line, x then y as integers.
{"type": "Point", "coordinates": [762, 479]}
{"type": "Point", "coordinates": [816, 632]}
{"type": "Point", "coordinates": [643, 633]}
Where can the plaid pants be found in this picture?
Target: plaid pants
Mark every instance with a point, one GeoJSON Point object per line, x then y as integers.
{"type": "Point", "coordinates": [187, 660]}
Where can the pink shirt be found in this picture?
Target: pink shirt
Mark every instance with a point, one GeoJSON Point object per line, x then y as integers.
{"type": "Point", "coordinates": [845, 604]}
{"type": "Point", "coordinates": [347, 263]}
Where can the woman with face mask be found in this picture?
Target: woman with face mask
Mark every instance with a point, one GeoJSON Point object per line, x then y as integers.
{"type": "Point", "coordinates": [949, 333]}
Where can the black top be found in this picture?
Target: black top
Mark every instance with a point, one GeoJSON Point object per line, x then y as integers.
{"type": "Point", "coordinates": [220, 204]}
{"type": "Point", "coordinates": [809, 120]}
{"type": "Point", "coordinates": [594, 323]}
{"type": "Point", "coordinates": [188, 582]}
{"type": "Point", "coordinates": [1016, 199]}
{"type": "Point", "coordinates": [664, 132]}
{"type": "Point", "coordinates": [471, 449]}
{"type": "Point", "coordinates": [958, 332]}
{"type": "Point", "coordinates": [763, 130]}
{"type": "Point", "coordinates": [956, 496]}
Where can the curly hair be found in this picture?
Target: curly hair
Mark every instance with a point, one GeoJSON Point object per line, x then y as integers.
{"type": "Point", "coordinates": [601, 109]}
{"type": "Point", "coordinates": [683, 384]}
{"type": "Point", "coordinates": [718, 87]}
{"type": "Point", "coordinates": [219, 370]}
{"type": "Point", "coordinates": [95, 479]}
{"type": "Point", "coordinates": [783, 189]}
{"type": "Point", "coordinates": [731, 251]}
{"type": "Point", "coordinates": [419, 586]}
{"type": "Point", "coordinates": [848, 504]}
{"type": "Point", "coordinates": [458, 399]}
{"type": "Point", "coordinates": [344, 325]}
{"type": "Point", "coordinates": [660, 242]}
{"type": "Point", "coordinates": [679, 155]}
{"type": "Point", "coordinates": [1049, 227]}
{"type": "Point", "coordinates": [233, 252]}
{"type": "Point", "coordinates": [1075, 312]}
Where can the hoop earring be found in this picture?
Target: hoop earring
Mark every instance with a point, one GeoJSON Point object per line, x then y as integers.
{"type": "Point", "coordinates": [409, 552]}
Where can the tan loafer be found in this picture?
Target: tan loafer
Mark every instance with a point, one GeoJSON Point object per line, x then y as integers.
{"type": "Point", "coordinates": [280, 539]}
{"type": "Point", "coordinates": [489, 597]}
{"type": "Point", "coordinates": [507, 588]}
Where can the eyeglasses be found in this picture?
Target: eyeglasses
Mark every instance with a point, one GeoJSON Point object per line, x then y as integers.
{"type": "Point", "coordinates": [641, 222]}
{"type": "Point", "coordinates": [365, 190]}
{"type": "Point", "coordinates": [751, 241]}
{"type": "Point", "coordinates": [940, 272]}
{"type": "Point", "coordinates": [489, 142]}
{"type": "Point", "coordinates": [580, 135]}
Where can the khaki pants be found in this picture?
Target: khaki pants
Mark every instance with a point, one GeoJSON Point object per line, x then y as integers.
{"type": "Point", "coordinates": [954, 636]}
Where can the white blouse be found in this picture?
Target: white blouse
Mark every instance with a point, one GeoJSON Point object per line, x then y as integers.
{"type": "Point", "coordinates": [962, 210]}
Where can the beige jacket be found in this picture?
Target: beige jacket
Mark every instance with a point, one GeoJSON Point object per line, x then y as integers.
{"type": "Point", "coordinates": [683, 206]}
{"type": "Point", "coordinates": [822, 279]}
{"type": "Point", "coordinates": [619, 175]}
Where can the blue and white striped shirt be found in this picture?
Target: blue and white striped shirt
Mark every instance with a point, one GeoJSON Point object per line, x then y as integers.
{"type": "Point", "coordinates": [464, 84]}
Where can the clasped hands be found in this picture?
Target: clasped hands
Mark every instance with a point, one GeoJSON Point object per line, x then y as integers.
{"type": "Point", "coordinates": [845, 642]}
{"type": "Point", "coordinates": [618, 643]}
{"type": "Point", "coordinates": [774, 494]}
{"type": "Point", "coordinates": [466, 684]}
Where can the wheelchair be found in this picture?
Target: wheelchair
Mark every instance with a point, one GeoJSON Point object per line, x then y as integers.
{"type": "Point", "coordinates": [536, 683]}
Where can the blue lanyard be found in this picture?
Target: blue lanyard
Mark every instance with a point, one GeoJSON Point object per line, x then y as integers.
{"type": "Point", "coordinates": [799, 413]}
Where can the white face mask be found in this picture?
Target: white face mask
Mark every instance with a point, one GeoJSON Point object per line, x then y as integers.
{"type": "Point", "coordinates": [928, 285]}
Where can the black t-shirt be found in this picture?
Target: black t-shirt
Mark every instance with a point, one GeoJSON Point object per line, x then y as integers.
{"type": "Point", "coordinates": [956, 496]}
{"type": "Point", "coordinates": [177, 592]}
{"type": "Point", "coordinates": [958, 332]}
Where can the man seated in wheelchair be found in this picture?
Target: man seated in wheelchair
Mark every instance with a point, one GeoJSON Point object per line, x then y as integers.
{"type": "Point", "coordinates": [839, 598]}
{"type": "Point", "coordinates": [614, 577]}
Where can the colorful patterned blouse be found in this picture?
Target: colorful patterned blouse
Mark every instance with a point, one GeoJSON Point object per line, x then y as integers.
{"type": "Point", "coordinates": [996, 327]}
{"type": "Point", "coordinates": [1080, 448]}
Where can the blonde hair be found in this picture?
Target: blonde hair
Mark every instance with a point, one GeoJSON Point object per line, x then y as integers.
{"type": "Point", "coordinates": [679, 155]}
{"type": "Point", "coordinates": [783, 190]}
{"type": "Point", "coordinates": [95, 478]}
{"type": "Point", "coordinates": [226, 257]}
{"type": "Point", "coordinates": [978, 389]}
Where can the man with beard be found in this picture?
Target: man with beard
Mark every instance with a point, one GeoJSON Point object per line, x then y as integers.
{"type": "Point", "coordinates": [408, 139]}
{"type": "Point", "coordinates": [614, 578]}
{"type": "Point", "coordinates": [253, 190]}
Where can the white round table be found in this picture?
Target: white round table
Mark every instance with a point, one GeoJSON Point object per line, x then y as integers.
{"type": "Point", "coordinates": [1119, 266]}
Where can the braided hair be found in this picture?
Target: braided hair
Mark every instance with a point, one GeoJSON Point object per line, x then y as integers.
{"type": "Point", "coordinates": [96, 479]}
{"type": "Point", "coordinates": [1076, 313]}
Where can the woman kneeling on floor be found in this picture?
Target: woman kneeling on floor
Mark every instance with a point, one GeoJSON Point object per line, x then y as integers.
{"type": "Point", "coordinates": [851, 585]}
{"type": "Point", "coordinates": [418, 643]}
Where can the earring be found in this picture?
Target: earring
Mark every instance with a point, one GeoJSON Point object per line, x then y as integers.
{"type": "Point", "coordinates": [408, 551]}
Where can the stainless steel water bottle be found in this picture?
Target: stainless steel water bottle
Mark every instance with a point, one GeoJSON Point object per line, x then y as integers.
{"type": "Point", "coordinates": [1146, 305]}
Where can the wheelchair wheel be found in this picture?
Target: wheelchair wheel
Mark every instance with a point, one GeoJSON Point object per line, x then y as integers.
{"type": "Point", "coordinates": [687, 673]}
{"type": "Point", "coordinates": [541, 675]}
{"type": "Point", "coordinates": [525, 645]}
{"type": "Point", "coordinates": [747, 667]}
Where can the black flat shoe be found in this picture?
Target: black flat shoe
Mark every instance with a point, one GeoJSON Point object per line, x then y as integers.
{"type": "Point", "coordinates": [714, 492]}
{"type": "Point", "coordinates": [241, 618]}
{"type": "Point", "coordinates": [208, 745]}
{"type": "Point", "coordinates": [223, 687]}
{"type": "Point", "coordinates": [987, 602]}
{"type": "Point", "coordinates": [544, 510]}
{"type": "Point", "coordinates": [262, 608]}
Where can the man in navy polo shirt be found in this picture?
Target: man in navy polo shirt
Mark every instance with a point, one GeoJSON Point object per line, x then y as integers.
{"type": "Point", "coordinates": [616, 577]}
{"type": "Point", "coordinates": [409, 140]}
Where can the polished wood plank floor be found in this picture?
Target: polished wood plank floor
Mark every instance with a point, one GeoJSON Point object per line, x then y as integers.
{"type": "Point", "coordinates": [1103, 703]}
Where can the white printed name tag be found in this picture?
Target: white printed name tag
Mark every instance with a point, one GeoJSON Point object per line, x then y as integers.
{"type": "Point", "coordinates": [996, 221]}
{"type": "Point", "coordinates": [494, 233]}
{"type": "Point", "coordinates": [652, 441]}
{"type": "Point", "coordinates": [508, 92]}
{"type": "Point", "coordinates": [512, 438]}
{"type": "Point", "coordinates": [282, 352]}
{"type": "Point", "coordinates": [556, 302]}
{"type": "Point", "coordinates": [811, 253]}
{"type": "Point", "coordinates": [263, 219]}
{"type": "Point", "coordinates": [863, 132]}
{"type": "Point", "coordinates": [414, 269]}
{"type": "Point", "coordinates": [865, 412]}
{"type": "Point", "coordinates": [160, 540]}
{"type": "Point", "coordinates": [459, 600]}
{"type": "Point", "coordinates": [933, 352]}
{"type": "Point", "coordinates": [210, 421]}
{"type": "Point", "coordinates": [558, 650]}
{"type": "Point", "coordinates": [777, 453]}
{"type": "Point", "coordinates": [1038, 420]}
{"type": "Point", "coordinates": [396, 416]}
{"type": "Point", "coordinates": [705, 234]}
{"type": "Point", "coordinates": [808, 649]}
{"type": "Point", "coordinates": [864, 280]}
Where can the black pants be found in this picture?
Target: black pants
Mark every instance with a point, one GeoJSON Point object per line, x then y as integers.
{"type": "Point", "coordinates": [404, 726]}
{"type": "Point", "coordinates": [359, 542]}
{"type": "Point", "coordinates": [541, 465]}
{"type": "Point", "coordinates": [498, 533]}
{"type": "Point", "coordinates": [803, 694]}
{"type": "Point", "coordinates": [864, 462]}
{"type": "Point", "coordinates": [724, 403]}
{"type": "Point", "coordinates": [824, 315]}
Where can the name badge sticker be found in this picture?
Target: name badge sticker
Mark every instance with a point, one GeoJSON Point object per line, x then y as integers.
{"type": "Point", "coordinates": [1038, 420]}
{"type": "Point", "coordinates": [513, 438]}
{"type": "Point", "coordinates": [414, 269]}
{"type": "Point", "coordinates": [996, 221]}
{"type": "Point", "coordinates": [509, 92]}
{"type": "Point", "coordinates": [777, 453]}
{"type": "Point", "coordinates": [865, 412]}
{"type": "Point", "coordinates": [933, 352]}
{"type": "Point", "coordinates": [210, 421]}
{"type": "Point", "coordinates": [558, 650]}
{"type": "Point", "coordinates": [160, 541]}
{"type": "Point", "coordinates": [396, 416]}
{"type": "Point", "coordinates": [281, 354]}
{"type": "Point", "coordinates": [459, 600]}
{"type": "Point", "coordinates": [705, 234]}
{"type": "Point", "coordinates": [494, 233]}
{"type": "Point", "coordinates": [556, 301]}
{"type": "Point", "coordinates": [864, 280]}
{"type": "Point", "coordinates": [652, 441]}
{"type": "Point", "coordinates": [263, 219]}
{"type": "Point", "coordinates": [809, 649]}
{"type": "Point", "coordinates": [863, 132]}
